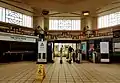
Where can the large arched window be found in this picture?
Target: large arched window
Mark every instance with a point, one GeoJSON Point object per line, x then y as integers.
{"type": "Point", "coordinates": [109, 20]}
{"type": "Point", "coordinates": [14, 17]}
{"type": "Point", "coordinates": [64, 24]}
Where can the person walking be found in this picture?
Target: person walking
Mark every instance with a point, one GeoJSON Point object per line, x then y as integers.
{"type": "Point", "coordinates": [73, 55]}
{"type": "Point", "coordinates": [70, 54]}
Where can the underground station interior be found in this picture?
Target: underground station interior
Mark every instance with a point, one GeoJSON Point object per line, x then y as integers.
{"type": "Point", "coordinates": [59, 41]}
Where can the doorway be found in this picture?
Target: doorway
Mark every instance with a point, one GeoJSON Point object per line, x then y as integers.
{"type": "Point", "coordinates": [57, 47]}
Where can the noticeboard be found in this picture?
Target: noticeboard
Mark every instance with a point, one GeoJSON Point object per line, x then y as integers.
{"type": "Point", "coordinates": [42, 46]}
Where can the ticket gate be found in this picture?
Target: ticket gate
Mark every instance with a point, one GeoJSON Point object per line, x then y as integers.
{"type": "Point", "coordinates": [79, 58]}
{"type": "Point", "coordinates": [50, 55]}
{"type": "Point", "coordinates": [61, 59]}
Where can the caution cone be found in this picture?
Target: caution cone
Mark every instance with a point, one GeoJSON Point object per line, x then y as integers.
{"type": "Point", "coordinates": [40, 72]}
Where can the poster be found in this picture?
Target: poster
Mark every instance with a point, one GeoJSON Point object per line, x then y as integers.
{"type": "Point", "coordinates": [117, 47]}
{"type": "Point", "coordinates": [91, 47]}
{"type": "Point", "coordinates": [42, 46]}
{"type": "Point", "coordinates": [104, 47]}
{"type": "Point", "coordinates": [83, 47]}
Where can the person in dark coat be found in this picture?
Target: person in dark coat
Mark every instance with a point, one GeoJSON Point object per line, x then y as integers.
{"type": "Point", "coordinates": [73, 56]}
{"type": "Point", "coordinates": [70, 54]}
{"type": "Point", "coordinates": [70, 49]}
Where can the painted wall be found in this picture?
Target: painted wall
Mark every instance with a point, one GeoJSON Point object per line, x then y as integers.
{"type": "Point", "coordinates": [94, 22]}
{"type": "Point", "coordinates": [46, 23]}
{"type": "Point", "coordinates": [91, 22]}
{"type": "Point", "coordinates": [83, 23]}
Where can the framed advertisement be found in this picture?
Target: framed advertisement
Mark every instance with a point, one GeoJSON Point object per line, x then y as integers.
{"type": "Point", "coordinates": [42, 47]}
{"type": "Point", "coordinates": [104, 47]}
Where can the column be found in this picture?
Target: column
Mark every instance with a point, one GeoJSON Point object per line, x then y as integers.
{"type": "Point", "coordinates": [89, 21]}
{"type": "Point", "coordinates": [46, 23]}
{"type": "Point", "coordinates": [38, 21]}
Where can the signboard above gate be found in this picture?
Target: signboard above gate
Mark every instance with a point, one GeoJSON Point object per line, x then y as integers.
{"type": "Point", "coordinates": [17, 38]}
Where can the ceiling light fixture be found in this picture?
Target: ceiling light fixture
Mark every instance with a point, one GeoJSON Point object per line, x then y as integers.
{"type": "Point", "coordinates": [86, 13]}
{"type": "Point", "coordinates": [45, 12]}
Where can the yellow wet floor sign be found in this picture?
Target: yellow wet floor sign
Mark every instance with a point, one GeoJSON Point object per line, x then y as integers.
{"type": "Point", "coordinates": [40, 72]}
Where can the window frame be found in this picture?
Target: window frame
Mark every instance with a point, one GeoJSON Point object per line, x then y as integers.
{"type": "Point", "coordinates": [109, 20]}
{"type": "Point", "coordinates": [64, 24]}
{"type": "Point", "coordinates": [6, 17]}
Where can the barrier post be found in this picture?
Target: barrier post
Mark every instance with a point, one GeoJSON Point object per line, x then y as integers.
{"type": "Point", "coordinates": [61, 52]}
{"type": "Point", "coordinates": [61, 58]}
{"type": "Point", "coordinates": [79, 58]}
{"type": "Point", "coordinates": [70, 57]}
{"type": "Point", "coordinates": [94, 57]}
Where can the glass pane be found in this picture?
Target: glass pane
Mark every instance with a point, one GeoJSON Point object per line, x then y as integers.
{"type": "Point", "coordinates": [99, 22]}
{"type": "Point", "coordinates": [64, 24]}
{"type": "Point", "coordinates": [118, 17]}
{"type": "Point", "coordinates": [102, 21]}
{"type": "Point", "coordinates": [50, 24]}
{"type": "Point", "coordinates": [106, 21]}
{"type": "Point", "coordinates": [109, 20]}
{"type": "Point", "coordinates": [2, 14]}
{"type": "Point", "coordinates": [78, 25]}
{"type": "Point", "coordinates": [13, 17]}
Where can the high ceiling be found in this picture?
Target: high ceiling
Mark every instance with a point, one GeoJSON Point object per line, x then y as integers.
{"type": "Point", "coordinates": [68, 6]}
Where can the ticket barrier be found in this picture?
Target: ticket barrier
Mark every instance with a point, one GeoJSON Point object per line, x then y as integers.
{"type": "Point", "coordinates": [79, 58]}
{"type": "Point", "coordinates": [70, 58]}
{"type": "Point", "coordinates": [61, 59]}
{"type": "Point", "coordinates": [67, 57]}
{"type": "Point", "coordinates": [50, 55]}
{"type": "Point", "coordinates": [95, 57]}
